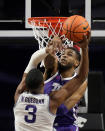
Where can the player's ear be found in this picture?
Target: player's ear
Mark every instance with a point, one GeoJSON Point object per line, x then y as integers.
{"type": "Point", "coordinates": [43, 83]}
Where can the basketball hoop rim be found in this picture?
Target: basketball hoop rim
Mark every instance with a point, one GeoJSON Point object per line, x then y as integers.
{"type": "Point", "coordinates": [49, 20]}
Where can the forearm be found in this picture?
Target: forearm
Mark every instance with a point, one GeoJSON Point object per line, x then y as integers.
{"type": "Point", "coordinates": [71, 101]}
{"type": "Point", "coordinates": [84, 66]}
{"type": "Point", "coordinates": [36, 58]}
{"type": "Point", "coordinates": [51, 66]}
{"type": "Point", "coordinates": [47, 74]}
{"type": "Point", "coordinates": [20, 89]}
{"type": "Point", "coordinates": [81, 90]}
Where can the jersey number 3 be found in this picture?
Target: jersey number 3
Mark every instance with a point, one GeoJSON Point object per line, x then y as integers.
{"type": "Point", "coordinates": [31, 117]}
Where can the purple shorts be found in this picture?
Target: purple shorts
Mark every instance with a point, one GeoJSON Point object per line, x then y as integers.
{"type": "Point", "coordinates": [66, 128]}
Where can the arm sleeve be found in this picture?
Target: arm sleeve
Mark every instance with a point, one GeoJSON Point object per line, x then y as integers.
{"type": "Point", "coordinates": [36, 58]}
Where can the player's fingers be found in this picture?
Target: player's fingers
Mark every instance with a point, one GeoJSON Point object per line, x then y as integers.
{"type": "Point", "coordinates": [89, 35]}
{"type": "Point", "coordinates": [60, 46]}
{"type": "Point", "coordinates": [84, 37]}
{"type": "Point", "coordinates": [57, 45]}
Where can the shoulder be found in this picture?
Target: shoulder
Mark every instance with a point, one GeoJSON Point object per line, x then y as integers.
{"type": "Point", "coordinates": [52, 78]}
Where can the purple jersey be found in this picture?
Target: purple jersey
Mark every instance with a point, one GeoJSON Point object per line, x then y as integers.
{"type": "Point", "coordinates": [63, 116]}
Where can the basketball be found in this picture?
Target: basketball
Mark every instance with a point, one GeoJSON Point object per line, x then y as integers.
{"type": "Point", "coordinates": [75, 27]}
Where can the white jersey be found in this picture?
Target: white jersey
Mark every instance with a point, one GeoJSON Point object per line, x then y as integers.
{"type": "Point", "coordinates": [32, 113]}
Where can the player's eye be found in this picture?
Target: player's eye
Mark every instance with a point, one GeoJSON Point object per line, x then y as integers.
{"type": "Point", "coordinates": [70, 54]}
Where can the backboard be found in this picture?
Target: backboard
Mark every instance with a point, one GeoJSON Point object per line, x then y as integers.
{"type": "Point", "coordinates": [14, 14]}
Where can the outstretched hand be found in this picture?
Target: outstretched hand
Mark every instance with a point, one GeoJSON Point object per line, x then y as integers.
{"type": "Point", "coordinates": [54, 45]}
{"type": "Point", "coordinates": [85, 42]}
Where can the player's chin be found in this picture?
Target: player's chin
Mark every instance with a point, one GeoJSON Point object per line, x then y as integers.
{"type": "Point", "coordinates": [62, 67]}
{"type": "Point", "coordinates": [63, 63]}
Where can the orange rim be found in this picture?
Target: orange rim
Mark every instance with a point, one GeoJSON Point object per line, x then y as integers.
{"type": "Point", "coordinates": [54, 24]}
{"type": "Point", "coordinates": [41, 20]}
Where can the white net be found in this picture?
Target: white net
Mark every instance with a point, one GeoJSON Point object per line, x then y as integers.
{"type": "Point", "coordinates": [41, 35]}
{"type": "Point", "coordinates": [43, 31]}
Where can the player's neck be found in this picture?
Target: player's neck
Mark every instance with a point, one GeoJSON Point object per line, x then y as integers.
{"type": "Point", "coordinates": [37, 91]}
{"type": "Point", "coordinates": [68, 73]}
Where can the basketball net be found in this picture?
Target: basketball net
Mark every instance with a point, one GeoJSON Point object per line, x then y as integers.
{"type": "Point", "coordinates": [45, 28]}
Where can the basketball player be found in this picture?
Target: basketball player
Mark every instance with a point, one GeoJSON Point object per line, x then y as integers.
{"type": "Point", "coordinates": [66, 117]}
{"type": "Point", "coordinates": [31, 110]}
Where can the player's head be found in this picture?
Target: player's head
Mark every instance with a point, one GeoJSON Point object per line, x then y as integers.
{"type": "Point", "coordinates": [34, 81]}
{"type": "Point", "coordinates": [70, 58]}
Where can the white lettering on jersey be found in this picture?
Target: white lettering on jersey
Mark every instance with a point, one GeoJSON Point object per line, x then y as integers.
{"type": "Point", "coordinates": [32, 113]}
{"type": "Point", "coordinates": [56, 86]}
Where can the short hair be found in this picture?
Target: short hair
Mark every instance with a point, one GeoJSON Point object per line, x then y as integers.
{"type": "Point", "coordinates": [77, 53]}
{"type": "Point", "coordinates": [34, 79]}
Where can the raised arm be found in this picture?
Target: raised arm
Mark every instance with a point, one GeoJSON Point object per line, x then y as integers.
{"type": "Point", "coordinates": [35, 59]}
{"type": "Point", "coordinates": [51, 61]}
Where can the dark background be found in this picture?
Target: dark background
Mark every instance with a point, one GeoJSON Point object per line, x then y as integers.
{"type": "Point", "coordinates": [15, 52]}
